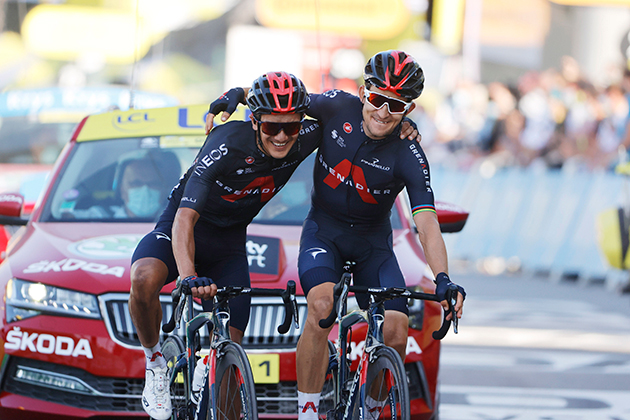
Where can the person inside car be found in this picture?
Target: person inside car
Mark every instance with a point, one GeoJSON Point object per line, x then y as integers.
{"type": "Point", "coordinates": [360, 168]}
{"type": "Point", "coordinates": [143, 184]}
{"type": "Point", "coordinates": [202, 231]}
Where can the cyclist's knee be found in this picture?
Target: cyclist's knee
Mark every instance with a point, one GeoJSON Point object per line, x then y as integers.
{"type": "Point", "coordinates": [147, 277]}
{"type": "Point", "coordinates": [320, 303]}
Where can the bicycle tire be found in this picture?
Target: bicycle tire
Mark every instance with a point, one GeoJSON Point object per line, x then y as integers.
{"type": "Point", "coordinates": [330, 394]}
{"type": "Point", "coordinates": [172, 348]}
{"type": "Point", "coordinates": [234, 394]}
{"type": "Point", "coordinates": [386, 382]}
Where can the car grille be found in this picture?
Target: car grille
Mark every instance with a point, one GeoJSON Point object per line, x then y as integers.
{"type": "Point", "coordinates": [265, 316]}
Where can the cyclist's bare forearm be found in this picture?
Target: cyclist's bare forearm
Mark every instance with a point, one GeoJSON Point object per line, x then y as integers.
{"type": "Point", "coordinates": [432, 242]}
{"type": "Point", "coordinates": [435, 251]}
{"type": "Point", "coordinates": [184, 241]}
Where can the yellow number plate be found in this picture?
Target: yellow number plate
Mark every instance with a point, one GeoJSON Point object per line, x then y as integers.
{"type": "Point", "coordinates": [265, 367]}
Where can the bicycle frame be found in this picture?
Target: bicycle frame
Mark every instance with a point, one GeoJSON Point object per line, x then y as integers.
{"type": "Point", "coordinates": [375, 316]}
{"type": "Point", "coordinates": [219, 324]}
{"type": "Point", "coordinates": [351, 389]}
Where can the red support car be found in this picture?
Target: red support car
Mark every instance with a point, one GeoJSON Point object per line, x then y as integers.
{"type": "Point", "coordinates": [69, 348]}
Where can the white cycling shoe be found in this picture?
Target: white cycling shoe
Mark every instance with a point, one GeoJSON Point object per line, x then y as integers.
{"type": "Point", "coordinates": [156, 397]}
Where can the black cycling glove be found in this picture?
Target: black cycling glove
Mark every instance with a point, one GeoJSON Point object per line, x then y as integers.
{"type": "Point", "coordinates": [194, 281]}
{"type": "Point", "coordinates": [228, 101]}
{"type": "Point", "coordinates": [442, 284]}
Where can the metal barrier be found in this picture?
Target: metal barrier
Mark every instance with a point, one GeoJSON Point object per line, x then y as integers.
{"type": "Point", "coordinates": [543, 219]}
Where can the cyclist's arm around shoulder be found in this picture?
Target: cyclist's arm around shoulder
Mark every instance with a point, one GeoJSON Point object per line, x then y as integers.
{"type": "Point", "coordinates": [330, 103]}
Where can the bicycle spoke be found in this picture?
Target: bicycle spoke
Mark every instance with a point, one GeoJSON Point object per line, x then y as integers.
{"type": "Point", "coordinates": [234, 390]}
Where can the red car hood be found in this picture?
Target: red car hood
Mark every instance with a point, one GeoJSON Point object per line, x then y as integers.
{"type": "Point", "coordinates": [95, 257]}
{"type": "Point", "coordinates": [89, 257]}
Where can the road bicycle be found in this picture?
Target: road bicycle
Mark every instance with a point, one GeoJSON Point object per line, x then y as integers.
{"type": "Point", "coordinates": [228, 391]}
{"type": "Point", "coordinates": [378, 389]}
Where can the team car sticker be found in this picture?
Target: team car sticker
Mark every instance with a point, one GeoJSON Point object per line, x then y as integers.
{"type": "Point", "coordinates": [106, 247]}
{"type": "Point", "coordinates": [72, 264]}
{"type": "Point", "coordinates": [357, 348]}
{"type": "Point", "coordinates": [47, 344]}
{"type": "Point", "coordinates": [263, 254]}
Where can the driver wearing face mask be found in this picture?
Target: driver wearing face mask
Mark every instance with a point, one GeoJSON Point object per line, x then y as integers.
{"type": "Point", "coordinates": [141, 194]}
{"type": "Point", "coordinates": [140, 190]}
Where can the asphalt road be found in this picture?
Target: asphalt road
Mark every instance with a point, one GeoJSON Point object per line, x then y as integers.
{"type": "Point", "coordinates": [530, 349]}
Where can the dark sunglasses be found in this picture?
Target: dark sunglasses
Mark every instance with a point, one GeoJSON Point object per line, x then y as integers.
{"type": "Point", "coordinates": [394, 106]}
{"type": "Point", "coordinates": [273, 128]}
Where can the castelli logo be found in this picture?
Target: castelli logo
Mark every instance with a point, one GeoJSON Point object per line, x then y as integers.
{"type": "Point", "coordinates": [249, 160]}
{"type": "Point", "coordinates": [347, 127]}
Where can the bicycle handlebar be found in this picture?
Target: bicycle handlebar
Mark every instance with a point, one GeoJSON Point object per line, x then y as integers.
{"type": "Point", "coordinates": [228, 292]}
{"type": "Point", "coordinates": [388, 293]}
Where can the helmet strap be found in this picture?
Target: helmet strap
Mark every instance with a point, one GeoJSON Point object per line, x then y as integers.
{"type": "Point", "coordinates": [259, 140]}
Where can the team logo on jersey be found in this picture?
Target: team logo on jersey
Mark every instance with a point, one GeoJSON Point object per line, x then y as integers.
{"type": "Point", "coordinates": [161, 235]}
{"type": "Point", "coordinates": [263, 186]}
{"type": "Point", "coordinates": [315, 251]}
{"type": "Point", "coordinates": [242, 171]}
{"type": "Point", "coordinates": [347, 127]}
{"type": "Point", "coordinates": [249, 160]}
{"type": "Point", "coordinates": [353, 176]}
{"type": "Point", "coordinates": [375, 164]}
{"type": "Point", "coordinates": [335, 136]}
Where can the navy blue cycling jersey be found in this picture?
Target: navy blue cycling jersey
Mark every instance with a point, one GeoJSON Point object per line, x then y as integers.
{"type": "Point", "coordinates": [357, 179]}
{"type": "Point", "coordinates": [231, 179]}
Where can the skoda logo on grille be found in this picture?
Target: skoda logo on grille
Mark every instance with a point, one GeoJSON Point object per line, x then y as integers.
{"type": "Point", "coordinates": [106, 247]}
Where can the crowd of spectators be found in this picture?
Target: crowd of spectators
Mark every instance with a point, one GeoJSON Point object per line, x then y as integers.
{"type": "Point", "coordinates": [554, 118]}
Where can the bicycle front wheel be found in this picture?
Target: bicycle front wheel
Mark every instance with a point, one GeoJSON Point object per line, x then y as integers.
{"type": "Point", "coordinates": [172, 348]}
{"type": "Point", "coordinates": [385, 394]}
{"type": "Point", "coordinates": [330, 394]}
{"type": "Point", "coordinates": [234, 393]}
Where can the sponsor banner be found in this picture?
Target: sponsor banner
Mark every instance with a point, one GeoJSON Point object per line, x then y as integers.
{"type": "Point", "coordinates": [263, 254]}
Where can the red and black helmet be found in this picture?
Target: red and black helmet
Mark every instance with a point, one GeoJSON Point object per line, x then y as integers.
{"type": "Point", "coordinates": [396, 72]}
{"type": "Point", "coordinates": [277, 93]}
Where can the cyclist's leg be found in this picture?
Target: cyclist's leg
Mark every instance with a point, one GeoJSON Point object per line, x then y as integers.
{"type": "Point", "coordinates": [152, 266]}
{"type": "Point", "coordinates": [317, 263]}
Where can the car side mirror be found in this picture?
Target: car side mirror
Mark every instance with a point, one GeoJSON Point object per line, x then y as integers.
{"type": "Point", "coordinates": [452, 218]}
{"type": "Point", "coordinates": [11, 205]}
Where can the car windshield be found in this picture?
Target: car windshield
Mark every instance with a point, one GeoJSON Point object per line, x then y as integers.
{"type": "Point", "coordinates": [122, 180]}
{"type": "Point", "coordinates": [129, 180]}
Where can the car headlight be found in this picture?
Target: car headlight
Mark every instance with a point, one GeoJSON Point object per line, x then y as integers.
{"type": "Point", "coordinates": [25, 299]}
{"type": "Point", "coordinates": [416, 311]}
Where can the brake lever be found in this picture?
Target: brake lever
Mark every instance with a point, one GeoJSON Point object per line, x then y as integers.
{"type": "Point", "coordinates": [454, 314]}
{"type": "Point", "coordinates": [296, 316]}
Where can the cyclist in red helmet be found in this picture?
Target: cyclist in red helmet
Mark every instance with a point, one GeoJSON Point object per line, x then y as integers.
{"type": "Point", "coordinates": [361, 166]}
{"type": "Point", "coordinates": [202, 230]}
